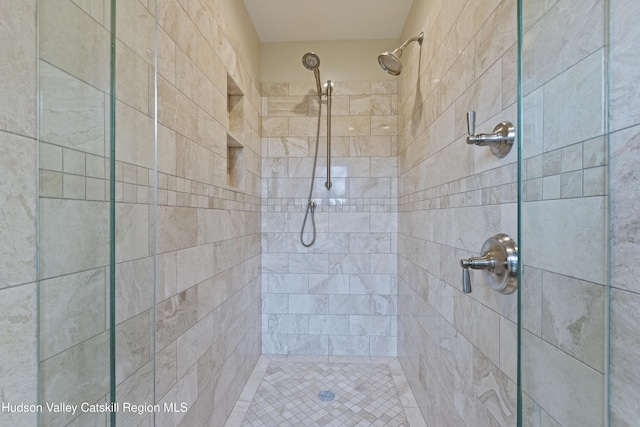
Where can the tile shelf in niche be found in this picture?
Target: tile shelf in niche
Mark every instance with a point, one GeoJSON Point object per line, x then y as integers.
{"type": "Point", "coordinates": [235, 163]}
{"type": "Point", "coordinates": [235, 135]}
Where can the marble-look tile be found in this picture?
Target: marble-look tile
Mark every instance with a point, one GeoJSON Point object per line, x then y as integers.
{"type": "Point", "coordinates": [308, 344]}
{"type": "Point", "coordinates": [509, 348]}
{"type": "Point", "coordinates": [177, 228]}
{"type": "Point", "coordinates": [624, 206]}
{"type": "Point", "coordinates": [134, 136]}
{"type": "Point", "coordinates": [562, 229]}
{"type": "Point", "coordinates": [496, 35]}
{"type": "Point", "coordinates": [545, 45]}
{"type": "Point", "coordinates": [348, 345]}
{"type": "Point", "coordinates": [62, 122]}
{"type": "Point", "coordinates": [369, 325]}
{"type": "Point", "coordinates": [185, 390]}
{"type": "Point", "coordinates": [329, 324]}
{"type": "Point", "coordinates": [574, 91]}
{"type": "Point", "coordinates": [191, 346]}
{"type": "Point", "coordinates": [175, 316]}
{"type": "Point", "coordinates": [133, 345]}
{"type": "Point", "coordinates": [132, 231]}
{"type": "Point", "coordinates": [625, 393]}
{"type": "Point", "coordinates": [308, 304]}
{"type": "Point", "coordinates": [573, 315]}
{"type": "Point", "coordinates": [568, 390]}
{"type": "Point", "coordinates": [494, 389]}
{"type": "Point", "coordinates": [81, 49]}
{"type": "Point", "coordinates": [18, 113]}
{"type": "Point", "coordinates": [62, 250]}
{"type": "Point", "coordinates": [288, 324]}
{"type": "Point", "coordinates": [80, 374]}
{"type": "Point", "coordinates": [68, 305]}
{"type": "Point", "coordinates": [370, 105]}
{"type": "Point", "coordinates": [173, 19]}
{"type": "Point", "coordinates": [176, 111]}
{"type": "Point", "coordinates": [134, 288]}
{"type": "Point", "coordinates": [349, 304]}
{"type": "Point", "coordinates": [18, 356]}
{"type": "Point", "coordinates": [194, 265]}
{"type": "Point", "coordinates": [17, 211]}
{"type": "Point", "coordinates": [624, 71]}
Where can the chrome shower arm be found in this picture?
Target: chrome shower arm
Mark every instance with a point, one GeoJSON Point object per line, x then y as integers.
{"type": "Point", "coordinates": [419, 38]}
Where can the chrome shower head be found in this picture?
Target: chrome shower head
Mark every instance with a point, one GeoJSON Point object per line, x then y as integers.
{"type": "Point", "coordinates": [390, 61]}
{"type": "Point", "coordinates": [311, 61]}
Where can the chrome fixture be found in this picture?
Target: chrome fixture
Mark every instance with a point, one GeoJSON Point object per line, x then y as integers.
{"type": "Point", "coordinates": [390, 61]}
{"type": "Point", "coordinates": [329, 91]}
{"type": "Point", "coordinates": [311, 62]}
{"type": "Point", "coordinates": [500, 141]}
{"type": "Point", "coordinates": [499, 265]}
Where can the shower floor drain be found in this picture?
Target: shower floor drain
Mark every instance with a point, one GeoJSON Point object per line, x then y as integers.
{"type": "Point", "coordinates": [326, 395]}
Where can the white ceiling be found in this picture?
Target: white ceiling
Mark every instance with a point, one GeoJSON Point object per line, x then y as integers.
{"type": "Point", "coordinates": [311, 20]}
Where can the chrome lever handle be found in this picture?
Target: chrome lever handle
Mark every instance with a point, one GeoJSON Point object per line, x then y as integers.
{"type": "Point", "coordinates": [499, 262]}
{"type": "Point", "coordinates": [485, 262]}
{"type": "Point", "coordinates": [466, 280]}
{"type": "Point", "coordinates": [471, 123]}
{"type": "Point", "coordinates": [500, 141]}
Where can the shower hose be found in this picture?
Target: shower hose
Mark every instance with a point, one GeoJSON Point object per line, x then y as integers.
{"type": "Point", "coordinates": [311, 205]}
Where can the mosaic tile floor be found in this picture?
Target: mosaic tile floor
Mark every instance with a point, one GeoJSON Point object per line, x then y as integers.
{"type": "Point", "coordinates": [289, 391]}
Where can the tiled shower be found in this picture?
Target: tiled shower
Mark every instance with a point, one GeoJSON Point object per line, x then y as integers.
{"type": "Point", "coordinates": [338, 297]}
{"type": "Point", "coordinates": [210, 177]}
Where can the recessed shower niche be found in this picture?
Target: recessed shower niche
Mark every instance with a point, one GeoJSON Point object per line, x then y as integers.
{"type": "Point", "coordinates": [235, 135]}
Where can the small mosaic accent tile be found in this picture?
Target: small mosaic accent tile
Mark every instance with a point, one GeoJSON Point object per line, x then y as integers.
{"type": "Point", "coordinates": [290, 395]}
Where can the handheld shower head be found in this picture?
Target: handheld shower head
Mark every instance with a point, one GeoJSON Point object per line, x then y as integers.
{"type": "Point", "coordinates": [311, 62]}
{"type": "Point", "coordinates": [390, 61]}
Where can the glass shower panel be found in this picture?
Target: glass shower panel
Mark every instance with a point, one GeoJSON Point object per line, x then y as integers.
{"type": "Point", "coordinates": [73, 208]}
{"type": "Point", "coordinates": [563, 236]}
{"type": "Point", "coordinates": [134, 210]}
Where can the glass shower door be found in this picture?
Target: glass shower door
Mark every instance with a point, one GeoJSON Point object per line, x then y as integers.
{"type": "Point", "coordinates": [96, 249]}
{"type": "Point", "coordinates": [74, 224]}
{"type": "Point", "coordinates": [563, 209]}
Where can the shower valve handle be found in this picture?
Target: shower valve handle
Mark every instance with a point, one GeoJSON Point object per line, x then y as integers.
{"type": "Point", "coordinates": [485, 262]}
{"type": "Point", "coordinates": [471, 123]}
{"type": "Point", "coordinates": [499, 262]}
{"type": "Point", "coordinates": [500, 141]}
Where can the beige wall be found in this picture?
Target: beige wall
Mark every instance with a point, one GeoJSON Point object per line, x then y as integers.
{"type": "Point", "coordinates": [340, 61]}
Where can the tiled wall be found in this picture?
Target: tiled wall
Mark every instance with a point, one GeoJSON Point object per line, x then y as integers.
{"type": "Point", "coordinates": [339, 296]}
{"type": "Point", "coordinates": [459, 351]}
{"type": "Point", "coordinates": [208, 233]}
{"type": "Point", "coordinates": [194, 252]}
{"type": "Point", "coordinates": [625, 239]}
{"type": "Point", "coordinates": [74, 208]}
{"type": "Point", "coordinates": [564, 215]}
{"type": "Point", "coordinates": [18, 356]}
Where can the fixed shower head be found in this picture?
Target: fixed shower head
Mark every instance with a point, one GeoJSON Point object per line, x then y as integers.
{"type": "Point", "coordinates": [311, 61]}
{"type": "Point", "coordinates": [390, 61]}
